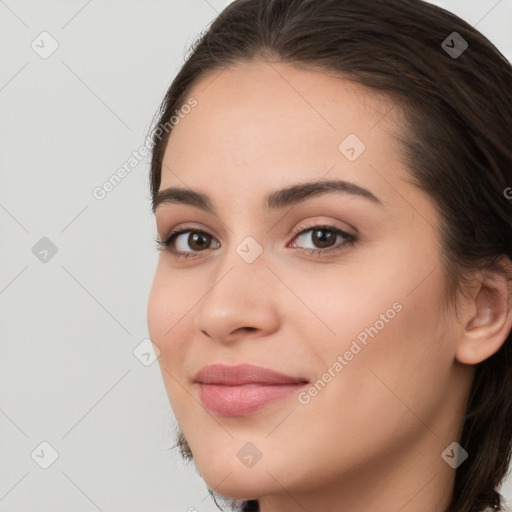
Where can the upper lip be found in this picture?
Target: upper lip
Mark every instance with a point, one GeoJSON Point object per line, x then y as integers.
{"type": "Point", "coordinates": [241, 374]}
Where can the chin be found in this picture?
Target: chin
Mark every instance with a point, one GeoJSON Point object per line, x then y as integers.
{"type": "Point", "coordinates": [235, 490]}
{"type": "Point", "coordinates": [241, 484]}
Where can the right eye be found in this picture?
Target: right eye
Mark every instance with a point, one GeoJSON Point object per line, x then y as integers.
{"type": "Point", "coordinates": [176, 243]}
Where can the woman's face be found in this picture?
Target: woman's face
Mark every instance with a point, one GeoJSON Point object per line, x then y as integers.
{"type": "Point", "coordinates": [350, 310]}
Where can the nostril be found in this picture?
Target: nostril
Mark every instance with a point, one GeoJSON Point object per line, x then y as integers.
{"type": "Point", "coordinates": [249, 329]}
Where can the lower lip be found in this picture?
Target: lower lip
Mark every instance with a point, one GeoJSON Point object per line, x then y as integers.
{"type": "Point", "coordinates": [243, 400]}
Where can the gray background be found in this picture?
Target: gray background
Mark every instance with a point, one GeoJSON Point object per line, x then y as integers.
{"type": "Point", "coordinates": [70, 321]}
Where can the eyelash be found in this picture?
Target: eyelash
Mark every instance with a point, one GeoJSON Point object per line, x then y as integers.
{"type": "Point", "coordinates": [165, 244]}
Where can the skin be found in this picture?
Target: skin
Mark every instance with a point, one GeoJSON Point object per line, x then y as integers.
{"type": "Point", "coordinates": [372, 439]}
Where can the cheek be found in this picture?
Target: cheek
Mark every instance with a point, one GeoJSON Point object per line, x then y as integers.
{"type": "Point", "coordinates": [386, 324]}
{"type": "Point", "coordinates": [167, 317]}
{"type": "Point", "coordinates": [159, 312]}
{"type": "Point", "coordinates": [393, 364]}
{"type": "Point", "coordinates": [364, 294]}
{"type": "Point", "coordinates": [163, 315]}
{"type": "Point", "coordinates": [391, 387]}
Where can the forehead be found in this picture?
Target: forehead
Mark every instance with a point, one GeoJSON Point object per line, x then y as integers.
{"type": "Point", "coordinates": [264, 125]}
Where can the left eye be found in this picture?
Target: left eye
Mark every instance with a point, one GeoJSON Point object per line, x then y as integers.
{"type": "Point", "coordinates": [323, 238]}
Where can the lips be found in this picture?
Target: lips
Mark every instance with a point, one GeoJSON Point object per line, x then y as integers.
{"type": "Point", "coordinates": [243, 389]}
{"type": "Point", "coordinates": [243, 374]}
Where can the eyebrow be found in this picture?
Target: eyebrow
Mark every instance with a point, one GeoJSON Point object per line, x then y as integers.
{"type": "Point", "coordinates": [274, 201]}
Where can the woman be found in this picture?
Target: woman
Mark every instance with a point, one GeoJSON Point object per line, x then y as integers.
{"type": "Point", "coordinates": [332, 302]}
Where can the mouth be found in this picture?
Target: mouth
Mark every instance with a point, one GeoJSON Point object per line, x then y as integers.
{"type": "Point", "coordinates": [243, 389]}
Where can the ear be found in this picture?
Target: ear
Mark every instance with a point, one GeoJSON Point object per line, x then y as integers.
{"type": "Point", "coordinates": [487, 317]}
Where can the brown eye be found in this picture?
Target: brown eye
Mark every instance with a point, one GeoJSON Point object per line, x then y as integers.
{"type": "Point", "coordinates": [197, 240]}
{"type": "Point", "coordinates": [187, 242]}
{"type": "Point", "coordinates": [323, 239]}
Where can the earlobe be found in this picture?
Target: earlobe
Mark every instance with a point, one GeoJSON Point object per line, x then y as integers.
{"type": "Point", "coordinates": [490, 321]}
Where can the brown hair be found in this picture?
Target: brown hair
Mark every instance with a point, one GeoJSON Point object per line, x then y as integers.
{"type": "Point", "coordinates": [457, 145]}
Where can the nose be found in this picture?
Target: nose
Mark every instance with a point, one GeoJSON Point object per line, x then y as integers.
{"type": "Point", "coordinates": [240, 302]}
